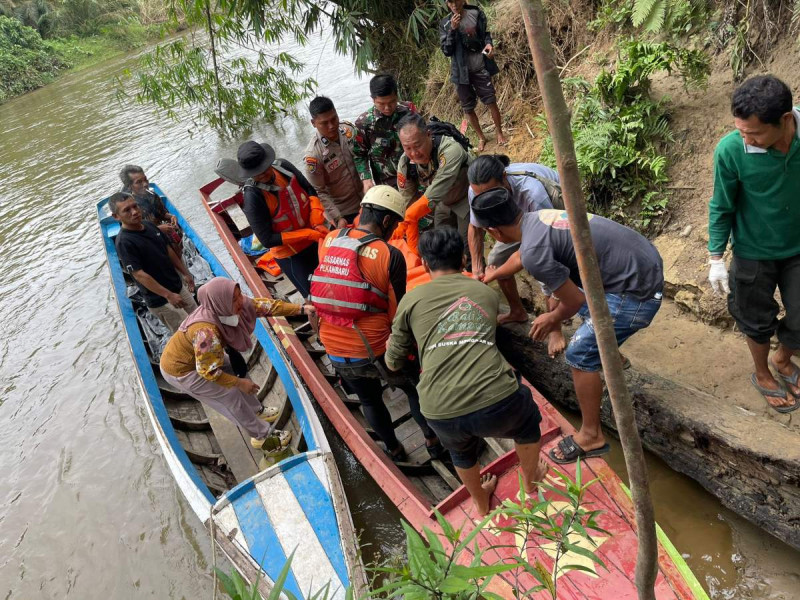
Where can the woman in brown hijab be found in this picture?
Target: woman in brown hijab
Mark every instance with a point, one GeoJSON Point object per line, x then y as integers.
{"type": "Point", "coordinates": [195, 362]}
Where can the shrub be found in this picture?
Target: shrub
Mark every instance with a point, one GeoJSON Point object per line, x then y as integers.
{"type": "Point", "coordinates": [26, 63]}
{"type": "Point", "coordinates": [621, 133]}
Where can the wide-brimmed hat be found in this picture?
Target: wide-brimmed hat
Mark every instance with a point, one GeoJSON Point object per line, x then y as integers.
{"type": "Point", "coordinates": [495, 208]}
{"type": "Point", "coordinates": [254, 158]}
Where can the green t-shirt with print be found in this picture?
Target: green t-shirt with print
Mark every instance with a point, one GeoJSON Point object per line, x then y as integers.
{"type": "Point", "coordinates": [453, 320]}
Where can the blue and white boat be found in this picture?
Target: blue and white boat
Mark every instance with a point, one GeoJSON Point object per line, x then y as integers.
{"type": "Point", "coordinates": [259, 514]}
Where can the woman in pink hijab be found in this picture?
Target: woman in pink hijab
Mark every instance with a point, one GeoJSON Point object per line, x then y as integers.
{"type": "Point", "coordinates": [195, 362]}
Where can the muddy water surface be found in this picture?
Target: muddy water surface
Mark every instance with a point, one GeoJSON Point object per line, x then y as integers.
{"type": "Point", "coordinates": [87, 506]}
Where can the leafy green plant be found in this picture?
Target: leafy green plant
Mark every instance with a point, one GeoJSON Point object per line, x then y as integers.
{"type": "Point", "coordinates": [565, 528]}
{"type": "Point", "coordinates": [621, 133]}
{"type": "Point", "coordinates": [676, 18]}
{"type": "Point", "coordinates": [435, 573]}
{"type": "Point", "coordinates": [238, 589]}
{"type": "Point", "coordinates": [229, 79]}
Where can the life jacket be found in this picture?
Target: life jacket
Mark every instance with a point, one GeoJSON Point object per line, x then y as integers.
{"type": "Point", "coordinates": [292, 211]}
{"type": "Point", "coordinates": [339, 291]}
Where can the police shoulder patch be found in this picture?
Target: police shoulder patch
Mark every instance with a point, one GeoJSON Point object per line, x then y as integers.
{"type": "Point", "coordinates": [442, 160]}
{"type": "Point", "coordinates": [311, 164]}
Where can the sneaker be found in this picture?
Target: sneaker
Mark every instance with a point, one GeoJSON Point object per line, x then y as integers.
{"type": "Point", "coordinates": [279, 439]}
{"type": "Point", "coordinates": [269, 414]}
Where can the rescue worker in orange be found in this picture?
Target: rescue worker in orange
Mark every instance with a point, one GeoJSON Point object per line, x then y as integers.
{"type": "Point", "coordinates": [283, 210]}
{"type": "Point", "coordinates": [355, 289]}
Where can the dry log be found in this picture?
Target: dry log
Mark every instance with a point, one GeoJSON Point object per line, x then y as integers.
{"type": "Point", "coordinates": [751, 464]}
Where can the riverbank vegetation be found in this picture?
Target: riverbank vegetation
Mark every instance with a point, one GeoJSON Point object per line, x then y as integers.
{"type": "Point", "coordinates": [39, 39]}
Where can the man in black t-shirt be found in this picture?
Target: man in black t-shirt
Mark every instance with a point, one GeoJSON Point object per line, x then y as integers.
{"type": "Point", "coordinates": [147, 256]}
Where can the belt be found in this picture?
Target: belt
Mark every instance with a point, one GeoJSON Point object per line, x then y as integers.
{"type": "Point", "coordinates": [348, 361]}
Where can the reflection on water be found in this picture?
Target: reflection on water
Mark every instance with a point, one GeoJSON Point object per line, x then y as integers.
{"type": "Point", "coordinates": [89, 509]}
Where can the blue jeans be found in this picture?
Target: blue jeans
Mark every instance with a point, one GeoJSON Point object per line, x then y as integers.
{"type": "Point", "coordinates": [629, 316]}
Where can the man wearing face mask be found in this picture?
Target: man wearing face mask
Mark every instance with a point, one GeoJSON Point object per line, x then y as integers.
{"type": "Point", "coordinates": [329, 165]}
{"type": "Point", "coordinates": [377, 147]}
{"type": "Point", "coordinates": [355, 289]}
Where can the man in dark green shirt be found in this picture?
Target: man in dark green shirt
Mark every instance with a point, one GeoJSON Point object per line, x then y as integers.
{"type": "Point", "coordinates": [467, 390]}
{"type": "Point", "coordinates": [756, 204]}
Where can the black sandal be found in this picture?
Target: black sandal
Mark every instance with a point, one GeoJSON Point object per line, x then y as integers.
{"type": "Point", "coordinates": [570, 451]}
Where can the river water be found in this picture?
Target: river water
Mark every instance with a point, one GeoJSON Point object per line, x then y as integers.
{"type": "Point", "coordinates": [88, 508]}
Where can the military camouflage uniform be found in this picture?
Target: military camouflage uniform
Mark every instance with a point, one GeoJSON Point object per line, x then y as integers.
{"type": "Point", "coordinates": [329, 167]}
{"type": "Point", "coordinates": [377, 148]}
{"type": "Point", "coordinates": [443, 181]}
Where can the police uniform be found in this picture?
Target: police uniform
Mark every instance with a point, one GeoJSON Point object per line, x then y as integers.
{"type": "Point", "coordinates": [443, 181]}
{"type": "Point", "coordinates": [329, 167]}
{"type": "Point", "coordinates": [377, 146]}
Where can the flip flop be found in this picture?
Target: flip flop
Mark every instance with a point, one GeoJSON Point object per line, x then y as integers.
{"type": "Point", "coordinates": [570, 451]}
{"type": "Point", "coordinates": [768, 393]}
{"type": "Point", "coordinates": [790, 379]}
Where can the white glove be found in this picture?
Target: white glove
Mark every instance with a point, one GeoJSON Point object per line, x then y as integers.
{"type": "Point", "coordinates": [718, 276]}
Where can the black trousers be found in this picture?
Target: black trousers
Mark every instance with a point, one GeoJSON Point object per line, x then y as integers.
{"type": "Point", "coordinates": [361, 378]}
{"type": "Point", "coordinates": [300, 267]}
{"type": "Point", "coordinates": [752, 299]}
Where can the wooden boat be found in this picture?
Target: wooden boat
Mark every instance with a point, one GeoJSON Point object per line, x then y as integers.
{"type": "Point", "coordinates": [258, 514]}
{"type": "Point", "coordinates": [422, 486]}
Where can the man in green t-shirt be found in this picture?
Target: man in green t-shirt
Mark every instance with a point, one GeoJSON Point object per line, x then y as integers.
{"type": "Point", "coordinates": [756, 203]}
{"type": "Point", "coordinates": [467, 390]}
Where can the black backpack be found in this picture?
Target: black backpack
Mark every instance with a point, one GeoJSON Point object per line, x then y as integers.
{"type": "Point", "coordinates": [438, 129]}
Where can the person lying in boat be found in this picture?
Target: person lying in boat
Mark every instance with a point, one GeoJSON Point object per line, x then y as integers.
{"type": "Point", "coordinates": [468, 391]}
{"type": "Point", "coordinates": [152, 206]}
{"type": "Point", "coordinates": [530, 186]}
{"type": "Point", "coordinates": [195, 363]}
{"type": "Point", "coordinates": [329, 163]}
{"type": "Point", "coordinates": [283, 210]}
{"type": "Point", "coordinates": [146, 254]}
{"type": "Point", "coordinates": [356, 318]}
{"type": "Point", "coordinates": [633, 280]}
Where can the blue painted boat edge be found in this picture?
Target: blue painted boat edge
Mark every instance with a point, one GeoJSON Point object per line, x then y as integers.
{"type": "Point", "coordinates": [310, 492]}
{"type": "Point", "coordinates": [262, 539]}
{"type": "Point", "coordinates": [141, 359]}
{"type": "Point", "coordinates": [265, 337]}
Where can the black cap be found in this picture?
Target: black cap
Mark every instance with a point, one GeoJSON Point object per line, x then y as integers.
{"type": "Point", "coordinates": [495, 208]}
{"type": "Point", "coordinates": [254, 159]}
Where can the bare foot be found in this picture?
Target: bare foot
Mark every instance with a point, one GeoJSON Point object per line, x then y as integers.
{"type": "Point", "coordinates": [556, 342]}
{"type": "Point", "coordinates": [481, 144]}
{"type": "Point", "coordinates": [541, 471]}
{"type": "Point", "coordinates": [488, 483]}
{"type": "Point", "coordinates": [501, 139]}
{"type": "Point", "coordinates": [512, 317]}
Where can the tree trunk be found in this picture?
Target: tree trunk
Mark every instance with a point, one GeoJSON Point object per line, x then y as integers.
{"type": "Point", "coordinates": [558, 120]}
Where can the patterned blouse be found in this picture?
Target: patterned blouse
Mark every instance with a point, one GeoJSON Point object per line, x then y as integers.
{"type": "Point", "coordinates": [200, 347]}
